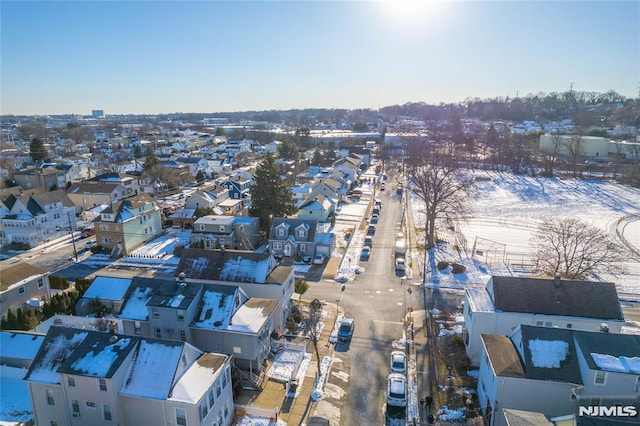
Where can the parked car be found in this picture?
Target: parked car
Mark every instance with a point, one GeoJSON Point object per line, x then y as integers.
{"type": "Point", "coordinates": [318, 259]}
{"type": "Point", "coordinates": [382, 187]}
{"type": "Point", "coordinates": [88, 232]}
{"type": "Point", "coordinates": [397, 390]}
{"type": "Point", "coordinates": [371, 230]}
{"type": "Point", "coordinates": [368, 241]}
{"type": "Point", "coordinates": [400, 264]}
{"type": "Point", "coordinates": [345, 332]}
{"type": "Point", "coordinates": [374, 218]}
{"type": "Point", "coordinates": [398, 363]}
{"type": "Point", "coordinates": [366, 252]}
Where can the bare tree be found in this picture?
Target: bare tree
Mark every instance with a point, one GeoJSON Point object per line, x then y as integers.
{"type": "Point", "coordinates": [550, 155]}
{"type": "Point", "coordinates": [440, 185]}
{"type": "Point", "coordinates": [313, 329]}
{"type": "Point", "coordinates": [575, 149]}
{"type": "Point", "coordinates": [574, 249]}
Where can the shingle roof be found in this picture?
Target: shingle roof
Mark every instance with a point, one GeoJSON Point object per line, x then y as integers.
{"type": "Point", "coordinates": [586, 299]}
{"type": "Point", "coordinates": [15, 273]}
{"type": "Point", "coordinates": [503, 355]}
{"type": "Point", "coordinates": [226, 265]}
{"type": "Point", "coordinates": [615, 347]}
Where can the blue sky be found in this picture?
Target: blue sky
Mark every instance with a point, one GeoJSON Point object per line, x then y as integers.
{"type": "Point", "coordinates": [209, 56]}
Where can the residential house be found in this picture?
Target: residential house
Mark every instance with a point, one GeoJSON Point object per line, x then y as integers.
{"type": "Point", "coordinates": [83, 377]}
{"type": "Point", "coordinates": [183, 218]}
{"type": "Point", "coordinates": [18, 351]}
{"type": "Point", "coordinates": [207, 198]}
{"type": "Point", "coordinates": [318, 208]}
{"type": "Point", "coordinates": [23, 286]}
{"type": "Point", "coordinates": [207, 316]}
{"type": "Point", "coordinates": [230, 232]}
{"type": "Point", "coordinates": [555, 371]}
{"type": "Point", "coordinates": [239, 188]}
{"type": "Point", "coordinates": [128, 224]}
{"type": "Point", "coordinates": [258, 274]}
{"type": "Point", "coordinates": [348, 166]}
{"type": "Point", "coordinates": [293, 237]}
{"type": "Point", "coordinates": [507, 302]}
{"type": "Point", "coordinates": [232, 207]}
{"type": "Point", "coordinates": [109, 292]}
{"type": "Point", "coordinates": [301, 192]}
{"type": "Point", "coordinates": [40, 178]}
{"type": "Point", "coordinates": [195, 164]}
{"type": "Point", "coordinates": [325, 243]}
{"type": "Point", "coordinates": [330, 188]}
{"type": "Point", "coordinates": [90, 194]}
{"type": "Point", "coordinates": [36, 218]}
{"type": "Point", "coordinates": [131, 183]}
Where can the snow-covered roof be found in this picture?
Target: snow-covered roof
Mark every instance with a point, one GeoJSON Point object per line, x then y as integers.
{"type": "Point", "coordinates": [479, 299]}
{"type": "Point", "coordinates": [252, 316]}
{"type": "Point", "coordinates": [198, 379]}
{"type": "Point", "coordinates": [548, 353]}
{"type": "Point", "coordinates": [153, 369]}
{"type": "Point", "coordinates": [15, 404]}
{"type": "Point", "coordinates": [108, 288]}
{"type": "Point", "coordinates": [59, 344]}
{"type": "Point", "coordinates": [135, 307]}
{"type": "Point", "coordinates": [621, 364]}
{"type": "Point", "coordinates": [229, 265]}
{"type": "Point", "coordinates": [101, 358]}
{"type": "Point", "coordinates": [217, 307]}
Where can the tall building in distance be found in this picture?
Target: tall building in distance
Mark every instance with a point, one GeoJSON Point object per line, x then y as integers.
{"type": "Point", "coordinates": [97, 113]}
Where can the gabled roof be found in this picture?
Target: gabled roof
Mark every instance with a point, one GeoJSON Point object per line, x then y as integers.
{"type": "Point", "coordinates": [550, 354]}
{"type": "Point", "coordinates": [610, 351]}
{"type": "Point", "coordinates": [585, 299]}
{"type": "Point", "coordinates": [292, 224]}
{"type": "Point", "coordinates": [189, 160]}
{"type": "Point", "coordinates": [93, 188]}
{"type": "Point", "coordinates": [319, 202]}
{"type": "Point", "coordinates": [58, 345]}
{"type": "Point", "coordinates": [52, 197]}
{"type": "Point", "coordinates": [226, 265]}
{"type": "Point", "coordinates": [198, 378]}
{"type": "Point", "coordinates": [18, 273]}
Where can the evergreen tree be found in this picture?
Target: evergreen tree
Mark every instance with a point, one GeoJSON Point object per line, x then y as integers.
{"type": "Point", "coordinates": [270, 196]}
{"type": "Point", "coordinates": [37, 150]}
{"type": "Point", "coordinates": [200, 176]}
{"type": "Point", "coordinates": [317, 158]}
{"type": "Point", "coordinates": [137, 151]}
{"type": "Point", "coordinates": [151, 159]}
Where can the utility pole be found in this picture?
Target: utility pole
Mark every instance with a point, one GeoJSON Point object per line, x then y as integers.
{"type": "Point", "coordinates": [73, 241]}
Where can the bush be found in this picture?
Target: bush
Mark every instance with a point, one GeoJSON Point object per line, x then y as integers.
{"type": "Point", "coordinates": [20, 246]}
{"type": "Point", "coordinates": [59, 283]}
{"type": "Point", "coordinates": [457, 268]}
{"type": "Point", "coordinates": [301, 286]}
{"type": "Point", "coordinates": [296, 314]}
{"type": "Point", "coordinates": [442, 265]}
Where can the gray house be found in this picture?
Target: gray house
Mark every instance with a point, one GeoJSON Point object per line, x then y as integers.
{"type": "Point", "coordinates": [507, 302]}
{"type": "Point", "coordinates": [82, 377]}
{"type": "Point", "coordinates": [259, 275]}
{"type": "Point", "coordinates": [23, 286]}
{"type": "Point", "coordinates": [230, 232]}
{"type": "Point", "coordinates": [293, 237]}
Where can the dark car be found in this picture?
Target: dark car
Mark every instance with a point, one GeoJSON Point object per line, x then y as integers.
{"type": "Point", "coordinates": [371, 230]}
{"type": "Point", "coordinates": [345, 332]}
{"type": "Point", "coordinates": [366, 252]}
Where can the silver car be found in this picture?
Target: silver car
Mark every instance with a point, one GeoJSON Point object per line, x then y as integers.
{"type": "Point", "coordinates": [397, 390]}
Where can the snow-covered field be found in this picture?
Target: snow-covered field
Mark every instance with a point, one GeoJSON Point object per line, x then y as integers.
{"type": "Point", "coordinates": [507, 208]}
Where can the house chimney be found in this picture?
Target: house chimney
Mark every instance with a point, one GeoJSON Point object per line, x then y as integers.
{"type": "Point", "coordinates": [604, 327]}
{"type": "Point", "coordinates": [556, 281]}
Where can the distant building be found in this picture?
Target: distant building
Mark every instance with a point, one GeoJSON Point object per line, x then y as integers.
{"type": "Point", "coordinates": [97, 113]}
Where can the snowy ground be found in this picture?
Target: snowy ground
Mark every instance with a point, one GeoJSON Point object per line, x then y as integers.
{"type": "Point", "coordinates": [254, 420]}
{"type": "Point", "coordinates": [507, 208]}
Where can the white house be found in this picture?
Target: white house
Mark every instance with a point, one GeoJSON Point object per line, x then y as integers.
{"type": "Point", "coordinates": [555, 371]}
{"type": "Point", "coordinates": [507, 302]}
{"type": "Point", "coordinates": [82, 377]}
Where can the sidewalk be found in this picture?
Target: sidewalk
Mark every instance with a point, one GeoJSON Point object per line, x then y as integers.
{"type": "Point", "coordinates": [295, 411]}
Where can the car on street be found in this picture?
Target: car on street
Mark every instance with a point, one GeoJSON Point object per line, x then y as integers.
{"type": "Point", "coordinates": [368, 241]}
{"type": "Point", "coordinates": [397, 390]}
{"type": "Point", "coordinates": [400, 264]}
{"type": "Point", "coordinates": [382, 187]}
{"type": "Point", "coordinates": [365, 253]}
{"type": "Point", "coordinates": [374, 218]}
{"type": "Point", "coordinates": [345, 332]}
{"type": "Point", "coordinates": [371, 230]}
{"type": "Point", "coordinates": [398, 363]}
{"type": "Point", "coordinates": [318, 259]}
{"type": "Point", "coordinates": [88, 232]}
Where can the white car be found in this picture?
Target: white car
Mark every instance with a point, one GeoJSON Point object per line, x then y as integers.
{"type": "Point", "coordinates": [318, 259]}
{"type": "Point", "coordinates": [398, 363]}
{"type": "Point", "coordinates": [400, 264]}
{"type": "Point", "coordinates": [397, 390]}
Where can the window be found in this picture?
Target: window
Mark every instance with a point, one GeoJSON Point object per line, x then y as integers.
{"type": "Point", "coordinates": [301, 233]}
{"type": "Point", "coordinates": [75, 406]}
{"type": "Point", "coordinates": [106, 240]}
{"type": "Point", "coordinates": [203, 411]}
{"type": "Point", "coordinates": [548, 324]}
{"type": "Point", "coordinates": [212, 399]}
{"type": "Point", "coordinates": [71, 382]}
{"type": "Point", "coordinates": [136, 327]}
{"type": "Point", "coordinates": [103, 227]}
{"type": "Point", "coordinates": [569, 325]}
{"type": "Point", "coordinates": [102, 384]}
{"type": "Point", "coordinates": [226, 411]}
{"type": "Point", "coordinates": [601, 377]}
{"type": "Point", "coordinates": [180, 315]}
{"type": "Point", "coordinates": [184, 360]}
{"type": "Point", "coordinates": [539, 323]}
{"type": "Point", "coordinates": [224, 380]}
{"type": "Point", "coordinates": [181, 417]}
{"type": "Point", "coordinates": [155, 314]}
{"type": "Point", "coordinates": [637, 384]}
{"type": "Point", "coordinates": [277, 246]}
{"type": "Point", "coordinates": [303, 248]}
{"type": "Point", "coordinates": [21, 290]}
{"type": "Point", "coordinates": [218, 390]}
{"type": "Point", "coordinates": [202, 227]}
{"type": "Point", "coordinates": [222, 228]}
{"type": "Point", "coordinates": [280, 232]}
{"type": "Point", "coordinates": [106, 412]}
{"type": "Point", "coordinates": [183, 336]}
{"type": "Point", "coordinates": [40, 282]}
{"type": "Point", "coordinates": [90, 404]}
{"type": "Point", "coordinates": [53, 423]}
{"type": "Point", "coordinates": [158, 333]}
{"type": "Point", "coordinates": [48, 396]}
